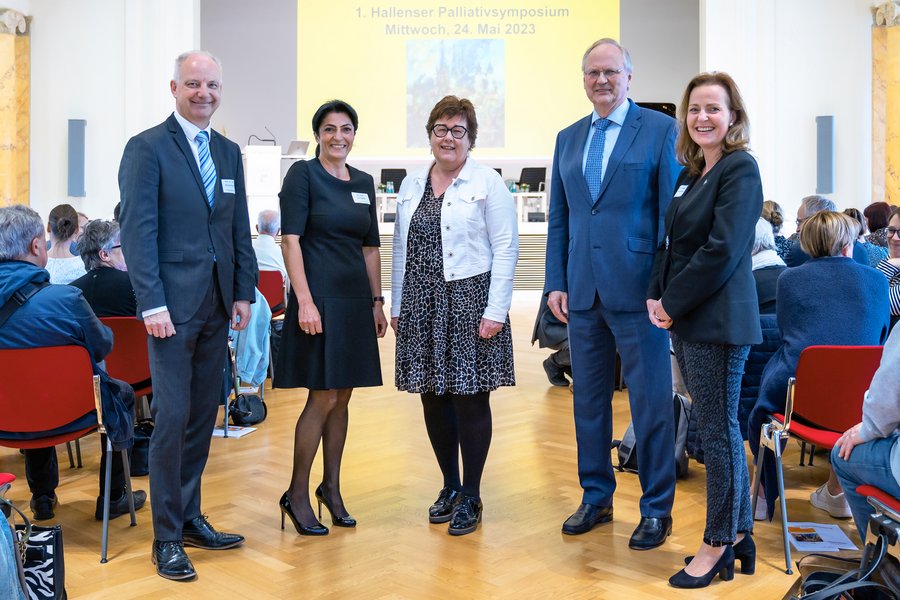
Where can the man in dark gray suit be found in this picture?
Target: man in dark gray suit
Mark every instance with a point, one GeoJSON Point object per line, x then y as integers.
{"type": "Point", "coordinates": [186, 240]}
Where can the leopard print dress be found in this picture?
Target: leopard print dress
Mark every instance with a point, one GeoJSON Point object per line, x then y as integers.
{"type": "Point", "coordinates": [438, 346]}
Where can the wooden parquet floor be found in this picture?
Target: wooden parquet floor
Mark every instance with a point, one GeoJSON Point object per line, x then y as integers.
{"type": "Point", "coordinates": [389, 479]}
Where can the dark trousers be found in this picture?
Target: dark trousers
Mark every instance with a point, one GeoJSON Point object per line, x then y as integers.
{"type": "Point", "coordinates": [712, 373]}
{"type": "Point", "coordinates": [594, 335]}
{"type": "Point", "coordinates": [187, 372]}
{"type": "Point", "coordinates": [42, 471]}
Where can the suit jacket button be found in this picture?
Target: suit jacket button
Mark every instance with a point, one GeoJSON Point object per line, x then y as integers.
{"type": "Point", "coordinates": [594, 212]}
{"type": "Point", "coordinates": [210, 249]}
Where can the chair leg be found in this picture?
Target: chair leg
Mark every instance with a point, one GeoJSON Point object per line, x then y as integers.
{"type": "Point", "coordinates": [106, 496]}
{"type": "Point", "coordinates": [784, 517]}
{"type": "Point", "coordinates": [127, 467]}
{"type": "Point", "coordinates": [71, 457]}
{"type": "Point", "coordinates": [812, 453]}
{"type": "Point", "coordinates": [803, 452]}
{"type": "Point", "coordinates": [757, 476]}
{"type": "Point", "coordinates": [78, 452]}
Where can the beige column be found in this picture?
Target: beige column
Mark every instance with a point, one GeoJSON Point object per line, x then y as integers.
{"type": "Point", "coordinates": [15, 102]}
{"type": "Point", "coordinates": [886, 103]}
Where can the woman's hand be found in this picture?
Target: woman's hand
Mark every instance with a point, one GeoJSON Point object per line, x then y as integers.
{"type": "Point", "coordinates": [658, 315]}
{"type": "Point", "coordinates": [308, 315]}
{"type": "Point", "coordinates": [489, 329]}
{"type": "Point", "coordinates": [848, 441]}
{"type": "Point", "coordinates": [380, 320]}
{"type": "Point", "coordinates": [394, 322]}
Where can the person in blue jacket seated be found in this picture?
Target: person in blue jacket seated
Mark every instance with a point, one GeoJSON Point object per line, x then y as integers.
{"type": "Point", "coordinates": [829, 300]}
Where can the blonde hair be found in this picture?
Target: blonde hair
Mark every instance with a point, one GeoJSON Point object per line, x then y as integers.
{"type": "Point", "coordinates": [826, 233]}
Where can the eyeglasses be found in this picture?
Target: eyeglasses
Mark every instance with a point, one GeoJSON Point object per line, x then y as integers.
{"type": "Point", "coordinates": [116, 246]}
{"type": "Point", "coordinates": [891, 232]}
{"type": "Point", "coordinates": [457, 131]}
{"type": "Point", "coordinates": [608, 74]}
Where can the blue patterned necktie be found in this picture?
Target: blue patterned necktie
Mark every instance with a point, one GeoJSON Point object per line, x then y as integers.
{"type": "Point", "coordinates": [593, 168]}
{"type": "Point", "coordinates": [207, 168]}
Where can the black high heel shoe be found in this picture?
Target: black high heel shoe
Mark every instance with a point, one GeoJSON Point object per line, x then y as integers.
{"type": "Point", "coordinates": [347, 521]}
{"type": "Point", "coordinates": [285, 505]}
{"type": "Point", "coordinates": [744, 551]}
{"type": "Point", "coordinates": [724, 568]}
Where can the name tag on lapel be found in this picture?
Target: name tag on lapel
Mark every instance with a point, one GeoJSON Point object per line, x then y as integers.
{"type": "Point", "coordinates": [228, 186]}
{"type": "Point", "coordinates": [360, 197]}
{"type": "Point", "coordinates": [681, 190]}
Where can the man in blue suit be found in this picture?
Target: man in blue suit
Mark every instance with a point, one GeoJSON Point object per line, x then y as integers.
{"type": "Point", "coordinates": [614, 174]}
{"type": "Point", "coordinates": [186, 240]}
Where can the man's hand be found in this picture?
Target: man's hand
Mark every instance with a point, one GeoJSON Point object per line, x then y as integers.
{"type": "Point", "coordinates": [240, 315]}
{"type": "Point", "coordinates": [848, 441]}
{"type": "Point", "coordinates": [558, 302]}
{"type": "Point", "coordinates": [159, 325]}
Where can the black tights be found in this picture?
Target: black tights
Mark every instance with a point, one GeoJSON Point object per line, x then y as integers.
{"type": "Point", "coordinates": [459, 425]}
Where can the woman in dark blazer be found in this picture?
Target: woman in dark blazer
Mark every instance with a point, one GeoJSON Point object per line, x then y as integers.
{"type": "Point", "coordinates": [702, 288]}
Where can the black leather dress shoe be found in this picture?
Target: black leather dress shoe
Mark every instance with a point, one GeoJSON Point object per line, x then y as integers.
{"type": "Point", "coordinates": [442, 509]}
{"type": "Point", "coordinates": [200, 534]}
{"type": "Point", "coordinates": [650, 533]}
{"type": "Point", "coordinates": [555, 374]}
{"type": "Point", "coordinates": [586, 518]}
{"type": "Point", "coordinates": [172, 561]}
{"type": "Point", "coordinates": [466, 516]}
{"type": "Point", "coordinates": [119, 507]}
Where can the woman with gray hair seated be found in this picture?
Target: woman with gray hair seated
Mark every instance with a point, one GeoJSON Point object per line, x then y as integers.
{"type": "Point", "coordinates": [106, 285]}
{"type": "Point", "coordinates": [767, 266]}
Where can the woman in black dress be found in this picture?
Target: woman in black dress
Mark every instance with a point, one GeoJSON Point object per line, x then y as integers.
{"type": "Point", "coordinates": [335, 309]}
{"type": "Point", "coordinates": [702, 288]}
{"type": "Point", "coordinates": [454, 256]}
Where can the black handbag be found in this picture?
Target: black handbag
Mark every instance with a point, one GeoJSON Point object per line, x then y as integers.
{"type": "Point", "coordinates": [140, 453]}
{"type": "Point", "coordinates": [247, 409]}
{"type": "Point", "coordinates": [40, 553]}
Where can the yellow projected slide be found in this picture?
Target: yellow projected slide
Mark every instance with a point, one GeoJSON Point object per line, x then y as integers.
{"type": "Point", "coordinates": [519, 61]}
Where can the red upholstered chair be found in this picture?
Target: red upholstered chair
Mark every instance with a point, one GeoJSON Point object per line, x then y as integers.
{"type": "Point", "coordinates": [129, 359]}
{"type": "Point", "coordinates": [827, 391]}
{"type": "Point", "coordinates": [271, 286]}
{"type": "Point", "coordinates": [44, 389]}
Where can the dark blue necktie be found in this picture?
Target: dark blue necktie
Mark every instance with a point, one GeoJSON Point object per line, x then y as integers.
{"type": "Point", "coordinates": [593, 168]}
{"type": "Point", "coordinates": [207, 168]}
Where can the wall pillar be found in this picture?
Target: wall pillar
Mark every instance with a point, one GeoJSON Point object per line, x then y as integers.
{"type": "Point", "coordinates": [15, 106]}
{"type": "Point", "coordinates": [886, 95]}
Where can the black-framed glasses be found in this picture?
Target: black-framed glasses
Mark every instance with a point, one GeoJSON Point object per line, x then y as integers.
{"type": "Point", "coordinates": [608, 74]}
{"type": "Point", "coordinates": [457, 131]}
{"type": "Point", "coordinates": [116, 246]}
{"type": "Point", "coordinates": [891, 232]}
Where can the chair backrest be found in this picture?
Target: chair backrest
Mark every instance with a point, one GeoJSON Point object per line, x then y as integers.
{"type": "Point", "coordinates": [44, 388]}
{"type": "Point", "coordinates": [129, 359]}
{"type": "Point", "coordinates": [395, 175]}
{"type": "Point", "coordinates": [534, 177]}
{"type": "Point", "coordinates": [831, 382]}
{"type": "Point", "coordinates": [271, 286]}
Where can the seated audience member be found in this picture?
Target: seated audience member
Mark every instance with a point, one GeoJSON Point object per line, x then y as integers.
{"type": "Point", "coordinates": [808, 207]}
{"type": "Point", "coordinates": [62, 264]}
{"type": "Point", "coordinates": [552, 333]}
{"type": "Point", "coordinates": [268, 253]}
{"type": "Point", "coordinates": [106, 285]}
{"type": "Point", "coordinates": [831, 300]}
{"type": "Point", "coordinates": [877, 215]}
{"type": "Point", "coordinates": [891, 266]}
{"type": "Point", "coordinates": [767, 266]}
{"type": "Point", "coordinates": [773, 213]}
{"type": "Point", "coordinates": [869, 453]}
{"type": "Point", "coordinates": [58, 315]}
{"type": "Point", "coordinates": [874, 253]}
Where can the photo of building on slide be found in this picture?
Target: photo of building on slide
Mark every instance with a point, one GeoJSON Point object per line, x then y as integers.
{"type": "Point", "coordinates": [472, 69]}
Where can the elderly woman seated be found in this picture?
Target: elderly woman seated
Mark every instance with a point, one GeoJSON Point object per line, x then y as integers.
{"type": "Point", "coordinates": [767, 266]}
{"type": "Point", "coordinates": [831, 300]}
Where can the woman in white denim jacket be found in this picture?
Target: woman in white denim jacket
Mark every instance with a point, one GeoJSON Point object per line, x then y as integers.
{"type": "Point", "coordinates": [454, 257]}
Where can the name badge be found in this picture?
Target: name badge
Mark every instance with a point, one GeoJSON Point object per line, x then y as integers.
{"type": "Point", "coordinates": [228, 186]}
{"type": "Point", "coordinates": [680, 191]}
{"type": "Point", "coordinates": [360, 197]}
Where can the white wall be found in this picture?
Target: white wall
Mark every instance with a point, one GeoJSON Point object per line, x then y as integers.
{"type": "Point", "coordinates": [108, 63]}
{"type": "Point", "coordinates": [794, 61]}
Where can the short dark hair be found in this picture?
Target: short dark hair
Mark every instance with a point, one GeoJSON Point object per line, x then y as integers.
{"type": "Point", "coordinates": [98, 235]}
{"type": "Point", "coordinates": [333, 106]}
{"type": "Point", "coordinates": [877, 214]}
{"type": "Point", "coordinates": [63, 221]}
{"type": "Point", "coordinates": [451, 106]}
